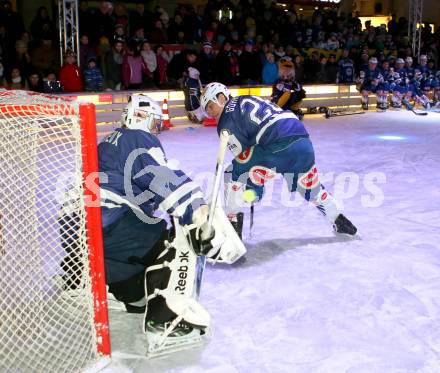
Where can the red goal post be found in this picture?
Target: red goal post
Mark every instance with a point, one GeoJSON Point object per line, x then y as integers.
{"type": "Point", "coordinates": [53, 306]}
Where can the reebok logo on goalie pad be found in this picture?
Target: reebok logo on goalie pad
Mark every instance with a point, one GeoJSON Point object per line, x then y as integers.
{"type": "Point", "coordinates": [183, 273]}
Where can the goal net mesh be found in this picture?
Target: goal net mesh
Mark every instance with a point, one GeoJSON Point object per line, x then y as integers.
{"type": "Point", "coordinates": [46, 300]}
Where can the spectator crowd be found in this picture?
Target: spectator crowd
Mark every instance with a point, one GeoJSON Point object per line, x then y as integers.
{"type": "Point", "coordinates": [234, 42]}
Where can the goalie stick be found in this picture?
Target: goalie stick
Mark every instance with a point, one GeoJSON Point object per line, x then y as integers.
{"type": "Point", "coordinates": [201, 260]}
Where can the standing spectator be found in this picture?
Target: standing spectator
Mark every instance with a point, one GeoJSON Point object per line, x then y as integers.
{"type": "Point", "coordinates": [103, 22]}
{"type": "Point", "coordinates": [158, 33]}
{"type": "Point", "coordinates": [85, 51]}
{"type": "Point", "coordinates": [45, 56]}
{"type": "Point", "coordinates": [227, 66]}
{"type": "Point", "coordinates": [346, 71]}
{"type": "Point", "coordinates": [162, 65]}
{"type": "Point", "coordinates": [299, 68]}
{"type": "Point", "coordinates": [311, 67]}
{"type": "Point", "coordinates": [11, 20]}
{"type": "Point", "coordinates": [16, 80]}
{"type": "Point", "coordinates": [120, 32]}
{"type": "Point", "coordinates": [120, 16]}
{"type": "Point", "coordinates": [86, 18]}
{"type": "Point", "coordinates": [51, 84]}
{"type": "Point", "coordinates": [41, 24]}
{"type": "Point", "coordinates": [332, 68]}
{"type": "Point", "coordinates": [92, 76]}
{"type": "Point", "coordinates": [140, 18]}
{"type": "Point", "coordinates": [250, 65]}
{"type": "Point", "coordinates": [21, 58]}
{"type": "Point", "coordinates": [2, 72]}
{"type": "Point", "coordinates": [35, 83]}
{"type": "Point", "coordinates": [112, 67]}
{"type": "Point", "coordinates": [175, 27]}
{"type": "Point", "coordinates": [207, 63]}
{"type": "Point", "coordinates": [150, 60]}
{"type": "Point", "coordinates": [322, 75]}
{"type": "Point", "coordinates": [70, 74]}
{"type": "Point", "coordinates": [133, 67]}
{"type": "Point", "coordinates": [332, 42]}
{"type": "Point", "coordinates": [270, 69]}
{"type": "Point", "coordinates": [178, 66]}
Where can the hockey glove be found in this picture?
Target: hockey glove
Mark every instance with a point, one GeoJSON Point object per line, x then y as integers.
{"type": "Point", "coordinates": [208, 240]}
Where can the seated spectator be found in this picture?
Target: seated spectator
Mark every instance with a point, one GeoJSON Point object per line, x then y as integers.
{"type": "Point", "coordinates": [16, 80]}
{"type": "Point", "coordinates": [133, 67]}
{"type": "Point", "coordinates": [35, 83]}
{"type": "Point", "coordinates": [270, 69]}
{"type": "Point", "coordinates": [92, 76]}
{"type": "Point", "coordinates": [70, 74]}
{"type": "Point", "coordinates": [112, 66]}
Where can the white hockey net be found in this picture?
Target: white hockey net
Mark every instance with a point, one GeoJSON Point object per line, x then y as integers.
{"type": "Point", "coordinates": [47, 317]}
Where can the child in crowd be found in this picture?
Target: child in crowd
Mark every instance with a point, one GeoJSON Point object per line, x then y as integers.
{"type": "Point", "coordinates": [93, 76]}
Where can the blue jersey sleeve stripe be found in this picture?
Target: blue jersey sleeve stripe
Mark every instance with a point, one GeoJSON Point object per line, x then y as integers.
{"type": "Point", "coordinates": [170, 200]}
{"type": "Point", "coordinates": [183, 207]}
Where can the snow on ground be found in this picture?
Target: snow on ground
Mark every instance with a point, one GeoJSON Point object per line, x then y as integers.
{"type": "Point", "coordinates": [305, 300]}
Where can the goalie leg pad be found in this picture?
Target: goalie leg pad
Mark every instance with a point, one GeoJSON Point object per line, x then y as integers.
{"type": "Point", "coordinates": [174, 319]}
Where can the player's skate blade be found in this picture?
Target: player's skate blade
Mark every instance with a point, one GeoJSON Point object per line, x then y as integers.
{"type": "Point", "coordinates": [344, 226]}
{"type": "Point", "coordinates": [181, 338]}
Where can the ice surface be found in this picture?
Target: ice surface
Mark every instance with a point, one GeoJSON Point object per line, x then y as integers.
{"type": "Point", "coordinates": [305, 300]}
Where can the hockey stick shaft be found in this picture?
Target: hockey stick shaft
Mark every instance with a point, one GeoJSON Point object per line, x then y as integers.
{"type": "Point", "coordinates": [224, 137]}
{"type": "Point", "coordinates": [201, 260]}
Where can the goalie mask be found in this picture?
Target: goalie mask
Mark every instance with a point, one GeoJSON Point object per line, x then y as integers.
{"type": "Point", "coordinates": [212, 90]}
{"type": "Point", "coordinates": [142, 113]}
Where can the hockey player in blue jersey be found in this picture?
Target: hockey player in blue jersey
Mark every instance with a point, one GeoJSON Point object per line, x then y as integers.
{"type": "Point", "coordinates": [265, 139]}
{"type": "Point", "coordinates": [370, 80]}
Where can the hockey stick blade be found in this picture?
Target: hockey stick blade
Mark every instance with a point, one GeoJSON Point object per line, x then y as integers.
{"type": "Point", "coordinates": [418, 112]}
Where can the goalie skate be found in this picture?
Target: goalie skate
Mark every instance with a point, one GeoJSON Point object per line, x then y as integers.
{"type": "Point", "coordinates": [180, 338]}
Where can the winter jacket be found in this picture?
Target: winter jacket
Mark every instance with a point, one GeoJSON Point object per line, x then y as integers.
{"type": "Point", "coordinates": [70, 78]}
{"type": "Point", "coordinates": [93, 79]}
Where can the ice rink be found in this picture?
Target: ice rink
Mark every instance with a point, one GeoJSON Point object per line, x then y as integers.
{"type": "Point", "coordinates": [304, 300]}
